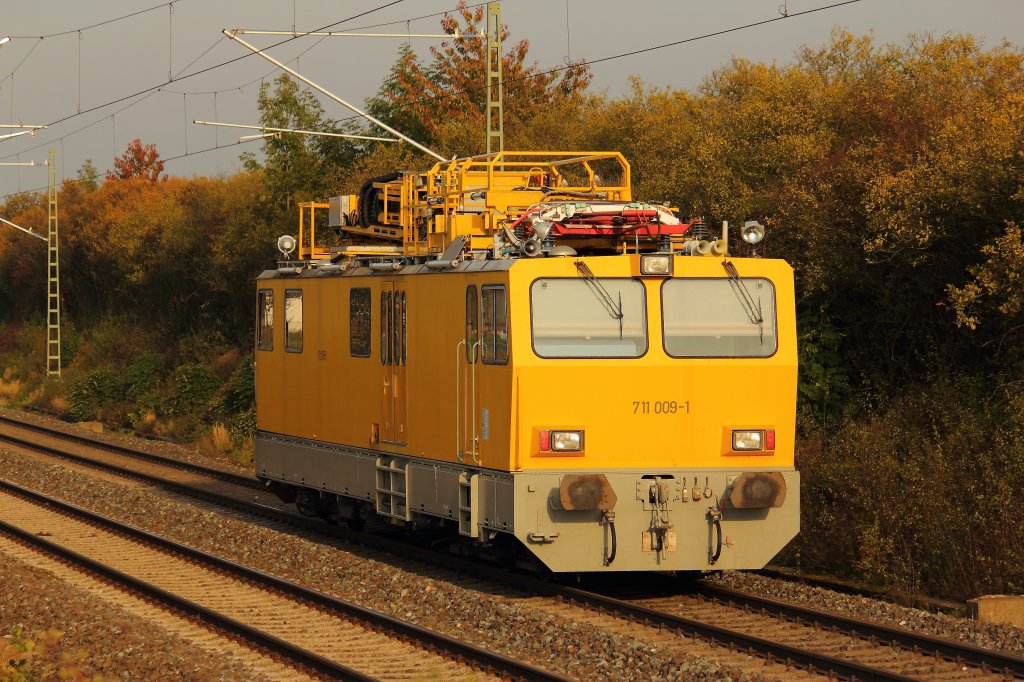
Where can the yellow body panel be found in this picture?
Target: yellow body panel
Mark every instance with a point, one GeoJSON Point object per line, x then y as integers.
{"type": "Point", "coordinates": [324, 394]}
{"type": "Point", "coordinates": [607, 397]}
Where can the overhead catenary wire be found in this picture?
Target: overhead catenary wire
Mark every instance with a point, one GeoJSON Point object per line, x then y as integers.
{"type": "Point", "coordinates": [590, 62]}
{"type": "Point", "coordinates": [39, 38]}
{"type": "Point", "coordinates": [152, 90]}
{"type": "Point", "coordinates": [585, 62]}
{"type": "Point", "coordinates": [215, 66]}
{"type": "Point", "coordinates": [307, 50]}
{"type": "Point", "coordinates": [445, 95]}
{"type": "Point", "coordinates": [179, 76]}
{"type": "Point", "coordinates": [98, 24]}
{"type": "Point", "coordinates": [337, 99]}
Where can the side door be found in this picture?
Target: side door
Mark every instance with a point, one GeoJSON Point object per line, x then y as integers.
{"type": "Point", "coordinates": [393, 357]}
{"type": "Point", "coordinates": [492, 398]}
{"type": "Point", "coordinates": [467, 354]}
{"type": "Point", "coordinates": [479, 355]}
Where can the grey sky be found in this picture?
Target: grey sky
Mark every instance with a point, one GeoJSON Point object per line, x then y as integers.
{"type": "Point", "coordinates": [55, 78]}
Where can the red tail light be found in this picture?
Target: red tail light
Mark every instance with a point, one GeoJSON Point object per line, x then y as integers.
{"type": "Point", "coordinates": [769, 439]}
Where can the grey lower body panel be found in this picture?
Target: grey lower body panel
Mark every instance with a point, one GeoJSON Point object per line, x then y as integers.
{"type": "Point", "coordinates": [678, 534]}
{"type": "Point", "coordinates": [398, 486]}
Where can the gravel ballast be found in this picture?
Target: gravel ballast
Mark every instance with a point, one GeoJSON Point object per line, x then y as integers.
{"type": "Point", "coordinates": [97, 638]}
{"type": "Point", "coordinates": [489, 618]}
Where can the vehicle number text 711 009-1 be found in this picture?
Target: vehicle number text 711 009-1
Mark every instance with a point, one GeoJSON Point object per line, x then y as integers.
{"type": "Point", "coordinates": [661, 406]}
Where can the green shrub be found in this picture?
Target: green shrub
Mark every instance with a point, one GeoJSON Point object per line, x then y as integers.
{"type": "Point", "coordinates": [91, 392]}
{"type": "Point", "coordinates": [926, 494]}
{"type": "Point", "coordinates": [70, 343]}
{"type": "Point", "coordinates": [243, 427]}
{"type": "Point", "coordinates": [193, 386]}
{"type": "Point", "coordinates": [112, 340]}
{"type": "Point", "coordinates": [142, 377]}
{"type": "Point", "coordinates": [240, 392]}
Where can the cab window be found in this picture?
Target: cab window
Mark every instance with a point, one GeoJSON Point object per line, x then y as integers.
{"type": "Point", "coordinates": [719, 318]}
{"type": "Point", "coordinates": [293, 320]}
{"type": "Point", "coordinates": [472, 323]}
{"type": "Point", "coordinates": [578, 318]}
{"type": "Point", "coordinates": [265, 325]}
{"type": "Point", "coordinates": [494, 331]}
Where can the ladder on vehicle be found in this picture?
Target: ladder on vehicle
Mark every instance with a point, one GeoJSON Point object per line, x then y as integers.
{"type": "Point", "coordinates": [392, 491]}
{"type": "Point", "coordinates": [469, 504]}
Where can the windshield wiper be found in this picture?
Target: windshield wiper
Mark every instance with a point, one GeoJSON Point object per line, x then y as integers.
{"type": "Point", "coordinates": [752, 308]}
{"type": "Point", "coordinates": [614, 309]}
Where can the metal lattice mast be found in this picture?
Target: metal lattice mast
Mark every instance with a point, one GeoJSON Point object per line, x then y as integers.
{"type": "Point", "coordinates": [495, 89]}
{"type": "Point", "coordinates": [52, 276]}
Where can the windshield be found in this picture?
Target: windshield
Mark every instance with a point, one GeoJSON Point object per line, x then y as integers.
{"type": "Point", "coordinates": [719, 318]}
{"type": "Point", "coordinates": [572, 318]}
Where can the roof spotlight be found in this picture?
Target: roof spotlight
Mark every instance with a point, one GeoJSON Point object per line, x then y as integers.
{"type": "Point", "coordinates": [753, 232]}
{"type": "Point", "coordinates": [286, 244]}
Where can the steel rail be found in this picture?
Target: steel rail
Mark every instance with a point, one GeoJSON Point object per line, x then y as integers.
{"type": "Point", "coordinates": [296, 520]}
{"type": "Point", "coordinates": [919, 601]}
{"type": "Point", "coordinates": [803, 658]}
{"type": "Point", "coordinates": [956, 651]}
{"type": "Point", "coordinates": [239, 479]}
{"type": "Point", "coordinates": [923, 644]}
{"type": "Point", "coordinates": [488, 661]}
{"type": "Point", "coordinates": [297, 655]}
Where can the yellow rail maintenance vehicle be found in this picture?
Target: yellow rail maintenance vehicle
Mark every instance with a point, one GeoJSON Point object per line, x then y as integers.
{"type": "Point", "coordinates": [509, 349]}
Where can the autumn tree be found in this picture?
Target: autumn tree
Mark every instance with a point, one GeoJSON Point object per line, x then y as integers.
{"type": "Point", "coordinates": [297, 167]}
{"type": "Point", "coordinates": [139, 161]}
{"type": "Point", "coordinates": [442, 103]}
{"type": "Point", "coordinates": [87, 176]}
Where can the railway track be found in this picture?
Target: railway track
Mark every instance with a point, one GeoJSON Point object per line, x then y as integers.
{"type": "Point", "coordinates": [314, 631]}
{"type": "Point", "coordinates": [799, 637]}
{"type": "Point", "coordinates": [9, 428]}
{"type": "Point", "coordinates": [814, 640]}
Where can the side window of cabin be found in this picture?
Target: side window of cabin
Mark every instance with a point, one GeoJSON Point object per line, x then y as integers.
{"type": "Point", "coordinates": [494, 334]}
{"type": "Point", "coordinates": [359, 322]}
{"type": "Point", "coordinates": [405, 345]}
{"type": "Point", "coordinates": [293, 320]}
{"type": "Point", "coordinates": [396, 329]}
{"type": "Point", "coordinates": [385, 326]}
{"type": "Point", "coordinates": [265, 324]}
{"type": "Point", "coordinates": [472, 323]}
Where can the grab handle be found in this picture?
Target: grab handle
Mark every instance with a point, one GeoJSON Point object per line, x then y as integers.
{"type": "Point", "coordinates": [715, 518]}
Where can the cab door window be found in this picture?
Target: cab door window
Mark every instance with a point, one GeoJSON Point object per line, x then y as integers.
{"type": "Point", "coordinates": [293, 320]}
{"type": "Point", "coordinates": [397, 328]}
{"type": "Point", "coordinates": [494, 331]}
{"type": "Point", "coordinates": [265, 326]}
{"type": "Point", "coordinates": [405, 345]}
{"type": "Point", "coordinates": [385, 327]}
{"type": "Point", "coordinates": [472, 323]}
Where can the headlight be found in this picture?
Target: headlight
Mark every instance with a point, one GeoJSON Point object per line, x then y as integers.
{"type": "Point", "coordinates": [658, 264]}
{"type": "Point", "coordinates": [748, 440]}
{"type": "Point", "coordinates": [563, 441]}
{"type": "Point", "coordinates": [753, 232]}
